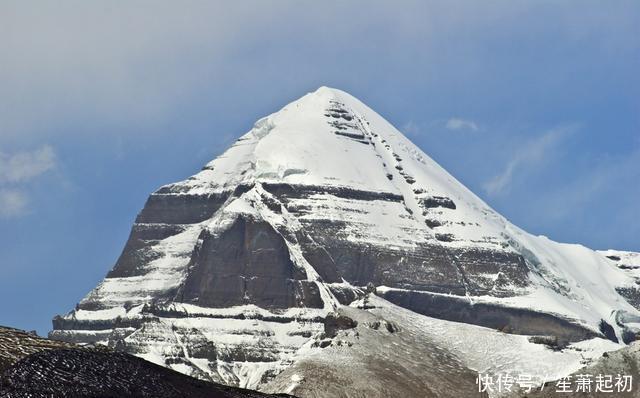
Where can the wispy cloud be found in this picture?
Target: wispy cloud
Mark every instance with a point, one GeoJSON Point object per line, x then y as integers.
{"type": "Point", "coordinates": [16, 171]}
{"type": "Point", "coordinates": [13, 202]}
{"type": "Point", "coordinates": [461, 124]}
{"type": "Point", "coordinates": [23, 166]}
{"type": "Point", "coordinates": [453, 124]}
{"type": "Point", "coordinates": [411, 128]}
{"type": "Point", "coordinates": [531, 155]}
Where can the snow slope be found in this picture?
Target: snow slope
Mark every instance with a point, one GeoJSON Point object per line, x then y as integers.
{"type": "Point", "coordinates": [446, 365]}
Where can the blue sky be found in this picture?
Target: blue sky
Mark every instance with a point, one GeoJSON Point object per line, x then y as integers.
{"type": "Point", "coordinates": [534, 105]}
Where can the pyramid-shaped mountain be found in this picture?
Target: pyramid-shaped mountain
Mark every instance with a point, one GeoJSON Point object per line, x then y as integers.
{"type": "Point", "coordinates": [324, 228]}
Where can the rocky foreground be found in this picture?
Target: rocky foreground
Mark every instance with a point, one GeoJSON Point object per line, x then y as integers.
{"type": "Point", "coordinates": [35, 367]}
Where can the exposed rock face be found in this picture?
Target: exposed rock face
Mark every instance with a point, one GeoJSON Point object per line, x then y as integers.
{"type": "Point", "coordinates": [249, 263]}
{"type": "Point", "coordinates": [510, 320]}
{"type": "Point", "coordinates": [229, 275]}
{"type": "Point", "coordinates": [334, 322]}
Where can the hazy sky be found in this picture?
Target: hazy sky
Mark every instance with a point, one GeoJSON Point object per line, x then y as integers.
{"type": "Point", "coordinates": [533, 105]}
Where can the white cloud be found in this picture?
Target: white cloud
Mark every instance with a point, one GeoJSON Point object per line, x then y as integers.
{"type": "Point", "coordinates": [461, 124]}
{"type": "Point", "coordinates": [532, 154]}
{"type": "Point", "coordinates": [411, 128]}
{"type": "Point", "coordinates": [16, 171]}
{"type": "Point", "coordinates": [23, 166]}
{"type": "Point", "coordinates": [13, 203]}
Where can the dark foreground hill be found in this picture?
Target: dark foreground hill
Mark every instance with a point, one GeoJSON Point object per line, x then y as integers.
{"type": "Point", "coordinates": [34, 367]}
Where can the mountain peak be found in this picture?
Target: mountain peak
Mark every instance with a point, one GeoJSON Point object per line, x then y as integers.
{"type": "Point", "coordinates": [332, 92]}
{"type": "Point", "coordinates": [230, 274]}
{"type": "Point", "coordinates": [327, 90]}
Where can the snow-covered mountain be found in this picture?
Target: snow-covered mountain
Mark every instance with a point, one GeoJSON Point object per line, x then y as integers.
{"type": "Point", "coordinates": [324, 207]}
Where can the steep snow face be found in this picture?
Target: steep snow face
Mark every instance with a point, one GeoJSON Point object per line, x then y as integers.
{"type": "Point", "coordinates": [229, 273]}
{"type": "Point", "coordinates": [297, 145]}
{"type": "Point", "coordinates": [329, 138]}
